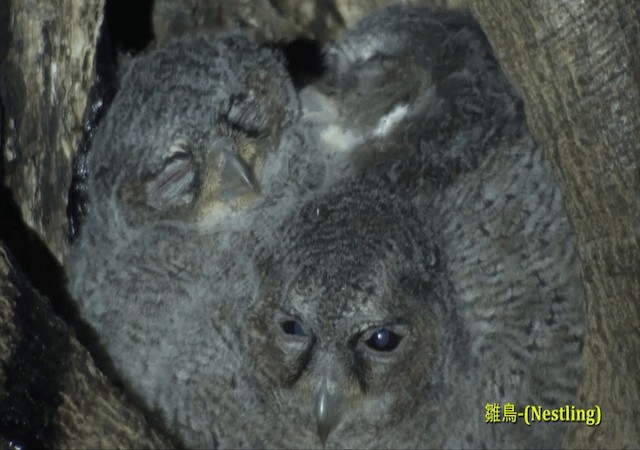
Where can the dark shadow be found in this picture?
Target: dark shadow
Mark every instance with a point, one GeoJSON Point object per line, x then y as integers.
{"type": "Point", "coordinates": [304, 61]}
{"type": "Point", "coordinates": [130, 25]}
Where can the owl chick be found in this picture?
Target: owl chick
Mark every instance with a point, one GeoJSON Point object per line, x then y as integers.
{"type": "Point", "coordinates": [201, 131]}
{"type": "Point", "coordinates": [390, 321]}
{"type": "Point", "coordinates": [444, 124]}
{"type": "Point", "coordinates": [335, 269]}
{"type": "Point", "coordinates": [416, 93]}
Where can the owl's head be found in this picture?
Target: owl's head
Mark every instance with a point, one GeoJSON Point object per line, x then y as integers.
{"type": "Point", "coordinates": [422, 90]}
{"type": "Point", "coordinates": [353, 327]}
{"type": "Point", "coordinates": [191, 127]}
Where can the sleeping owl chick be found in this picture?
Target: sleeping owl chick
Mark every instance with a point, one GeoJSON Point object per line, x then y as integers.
{"type": "Point", "coordinates": [261, 278]}
{"type": "Point", "coordinates": [416, 93]}
{"type": "Point", "coordinates": [200, 131]}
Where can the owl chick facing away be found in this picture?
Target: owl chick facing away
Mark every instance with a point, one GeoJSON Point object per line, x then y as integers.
{"type": "Point", "coordinates": [364, 263]}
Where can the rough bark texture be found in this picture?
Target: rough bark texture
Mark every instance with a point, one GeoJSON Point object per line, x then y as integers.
{"type": "Point", "coordinates": [577, 66]}
{"type": "Point", "coordinates": [49, 70]}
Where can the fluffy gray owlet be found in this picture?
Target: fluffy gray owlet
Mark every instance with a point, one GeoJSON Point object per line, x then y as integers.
{"type": "Point", "coordinates": [347, 270]}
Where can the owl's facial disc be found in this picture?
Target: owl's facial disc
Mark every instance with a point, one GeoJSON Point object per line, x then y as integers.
{"type": "Point", "coordinates": [341, 360]}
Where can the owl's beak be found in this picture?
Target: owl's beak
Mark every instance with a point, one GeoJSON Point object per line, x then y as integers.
{"type": "Point", "coordinates": [329, 407]}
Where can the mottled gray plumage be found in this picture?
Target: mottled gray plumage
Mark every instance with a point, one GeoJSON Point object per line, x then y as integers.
{"type": "Point", "coordinates": [365, 264]}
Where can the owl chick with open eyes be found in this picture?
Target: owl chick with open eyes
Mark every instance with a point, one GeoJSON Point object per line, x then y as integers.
{"type": "Point", "coordinates": [363, 264]}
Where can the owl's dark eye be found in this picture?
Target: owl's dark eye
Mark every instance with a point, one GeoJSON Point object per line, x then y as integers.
{"type": "Point", "coordinates": [383, 340]}
{"type": "Point", "coordinates": [293, 327]}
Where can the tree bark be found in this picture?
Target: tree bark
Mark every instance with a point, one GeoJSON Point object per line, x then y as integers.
{"type": "Point", "coordinates": [577, 66]}
{"type": "Point", "coordinates": [49, 71]}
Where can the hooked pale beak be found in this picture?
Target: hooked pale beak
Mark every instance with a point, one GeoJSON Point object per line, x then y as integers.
{"type": "Point", "coordinates": [329, 408]}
